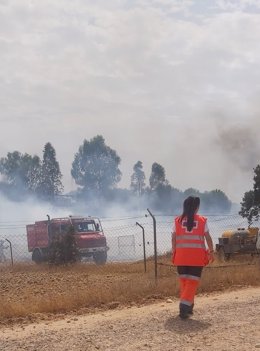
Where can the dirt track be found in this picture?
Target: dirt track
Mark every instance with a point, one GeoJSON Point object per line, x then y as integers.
{"type": "Point", "coordinates": [227, 321]}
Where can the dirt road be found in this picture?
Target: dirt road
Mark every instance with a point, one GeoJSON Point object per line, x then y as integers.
{"type": "Point", "coordinates": [227, 321]}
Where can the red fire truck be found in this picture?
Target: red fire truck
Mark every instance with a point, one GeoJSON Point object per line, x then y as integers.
{"type": "Point", "coordinates": [89, 237]}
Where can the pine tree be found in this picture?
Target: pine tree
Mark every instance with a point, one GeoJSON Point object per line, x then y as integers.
{"type": "Point", "coordinates": [138, 179]}
{"type": "Point", "coordinates": [50, 176]}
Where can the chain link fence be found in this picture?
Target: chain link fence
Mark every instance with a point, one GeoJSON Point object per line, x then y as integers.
{"type": "Point", "coordinates": [125, 239]}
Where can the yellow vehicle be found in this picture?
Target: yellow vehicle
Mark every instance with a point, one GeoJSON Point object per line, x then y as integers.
{"type": "Point", "coordinates": [238, 241]}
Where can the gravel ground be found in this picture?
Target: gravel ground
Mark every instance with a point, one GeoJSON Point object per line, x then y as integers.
{"type": "Point", "coordinates": [226, 321]}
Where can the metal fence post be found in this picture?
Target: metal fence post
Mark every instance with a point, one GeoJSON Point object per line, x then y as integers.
{"type": "Point", "coordinates": [143, 245]}
{"type": "Point", "coordinates": [11, 251]}
{"type": "Point", "coordinates": [155, 244]}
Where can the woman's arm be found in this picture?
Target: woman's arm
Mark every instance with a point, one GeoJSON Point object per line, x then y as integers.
{"type": "Point", "coordinates": [173, 245]}
{"type": "Point", "coordinates": [173, 241]}
{"type": "Point", "coordinates": [210, 246]}
{"type": "Point", "coordinates": [209, 241]}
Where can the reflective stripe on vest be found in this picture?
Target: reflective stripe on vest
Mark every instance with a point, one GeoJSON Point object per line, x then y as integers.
{"type": "Point", "coordinates": [190, 237]}
{"type": "Point", "coordinates": [190, 246]}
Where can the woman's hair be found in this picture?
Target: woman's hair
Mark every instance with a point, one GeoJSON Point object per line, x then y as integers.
{"type": "Point", "coordinates": [190, 206]}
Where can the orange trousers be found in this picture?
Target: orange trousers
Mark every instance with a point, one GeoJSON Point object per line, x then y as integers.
{"type": "Point", "coordinates": [189, 278]}
{"type": "Point", "coordinates": [188, 289]}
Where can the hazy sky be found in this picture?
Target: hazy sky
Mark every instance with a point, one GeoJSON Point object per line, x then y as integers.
{"type": "Point", "coordinates": [176, 82]}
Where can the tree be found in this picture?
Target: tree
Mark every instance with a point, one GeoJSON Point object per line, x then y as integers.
{"type": "Point", "coordinates": [248, 209]}
{"type": "Point", "coordinates": [256, 185]}
{"type": "Point", "coordinates": [20, 171]}
{"type": "Point", "coordinates": [63, 248]}
{"type": "Point", "coordinates": [250, 205]}
{"type": "Point", "coordinates": [95, 166]}
{"type": "Point", "coordinates": [50, 176]}
{"type": "Point", "coordinates": [157, 176]}
{"type": "Point", "coordinates": [191, 192]}
{"type": "Point", "coordinates": [215, 201]}
{"type": "Point", "coordinates": [138, 179]}
{"type": "Point", "coordinates": [160, 194]}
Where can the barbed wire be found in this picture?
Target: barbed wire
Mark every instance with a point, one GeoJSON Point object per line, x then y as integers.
{"type": "Point", "coordinates": [108, 219]}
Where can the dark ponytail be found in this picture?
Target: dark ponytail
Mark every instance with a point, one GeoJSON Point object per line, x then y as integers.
{"type": "Point", "coordinates": [190, 205]}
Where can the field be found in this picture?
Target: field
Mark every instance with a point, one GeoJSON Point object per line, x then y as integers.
{"type": "Point", "coordinates": [31, 292]}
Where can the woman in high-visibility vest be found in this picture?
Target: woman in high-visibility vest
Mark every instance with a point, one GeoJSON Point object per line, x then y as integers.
{"type": "Point", "coordinates": [190, 232]}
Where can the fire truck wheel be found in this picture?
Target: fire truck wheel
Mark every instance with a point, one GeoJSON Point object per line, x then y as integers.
{"type": "Point", "coordinates": [100, 258]}
{"type": "Point", "coordinates": [37, 256]}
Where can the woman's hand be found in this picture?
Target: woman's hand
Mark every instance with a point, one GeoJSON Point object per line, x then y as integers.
{"type": "Point", "coordinates": [211, 256]}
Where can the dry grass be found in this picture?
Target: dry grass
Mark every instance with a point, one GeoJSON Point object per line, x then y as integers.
{"type": "Point", "coordinates": [28, 289]}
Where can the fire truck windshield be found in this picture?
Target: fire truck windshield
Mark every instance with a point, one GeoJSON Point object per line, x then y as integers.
{"type": "Point", "coordinates": [83, 227]}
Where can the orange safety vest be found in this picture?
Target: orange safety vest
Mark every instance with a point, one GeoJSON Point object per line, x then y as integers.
{"type": "Point", "coordinates": [190, 249]}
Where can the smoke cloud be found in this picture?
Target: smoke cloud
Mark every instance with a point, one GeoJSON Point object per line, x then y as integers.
{"type": "Point", "coordinates": [241, 146]}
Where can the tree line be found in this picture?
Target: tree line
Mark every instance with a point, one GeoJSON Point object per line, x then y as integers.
{"type": "Point", "coordinates": [95, 170]}
{"type": "Point", "coordinates": [25, 175]}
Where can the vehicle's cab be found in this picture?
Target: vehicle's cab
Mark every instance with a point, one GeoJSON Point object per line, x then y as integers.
{"type": "Point", "coordinates": [90, 239]}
